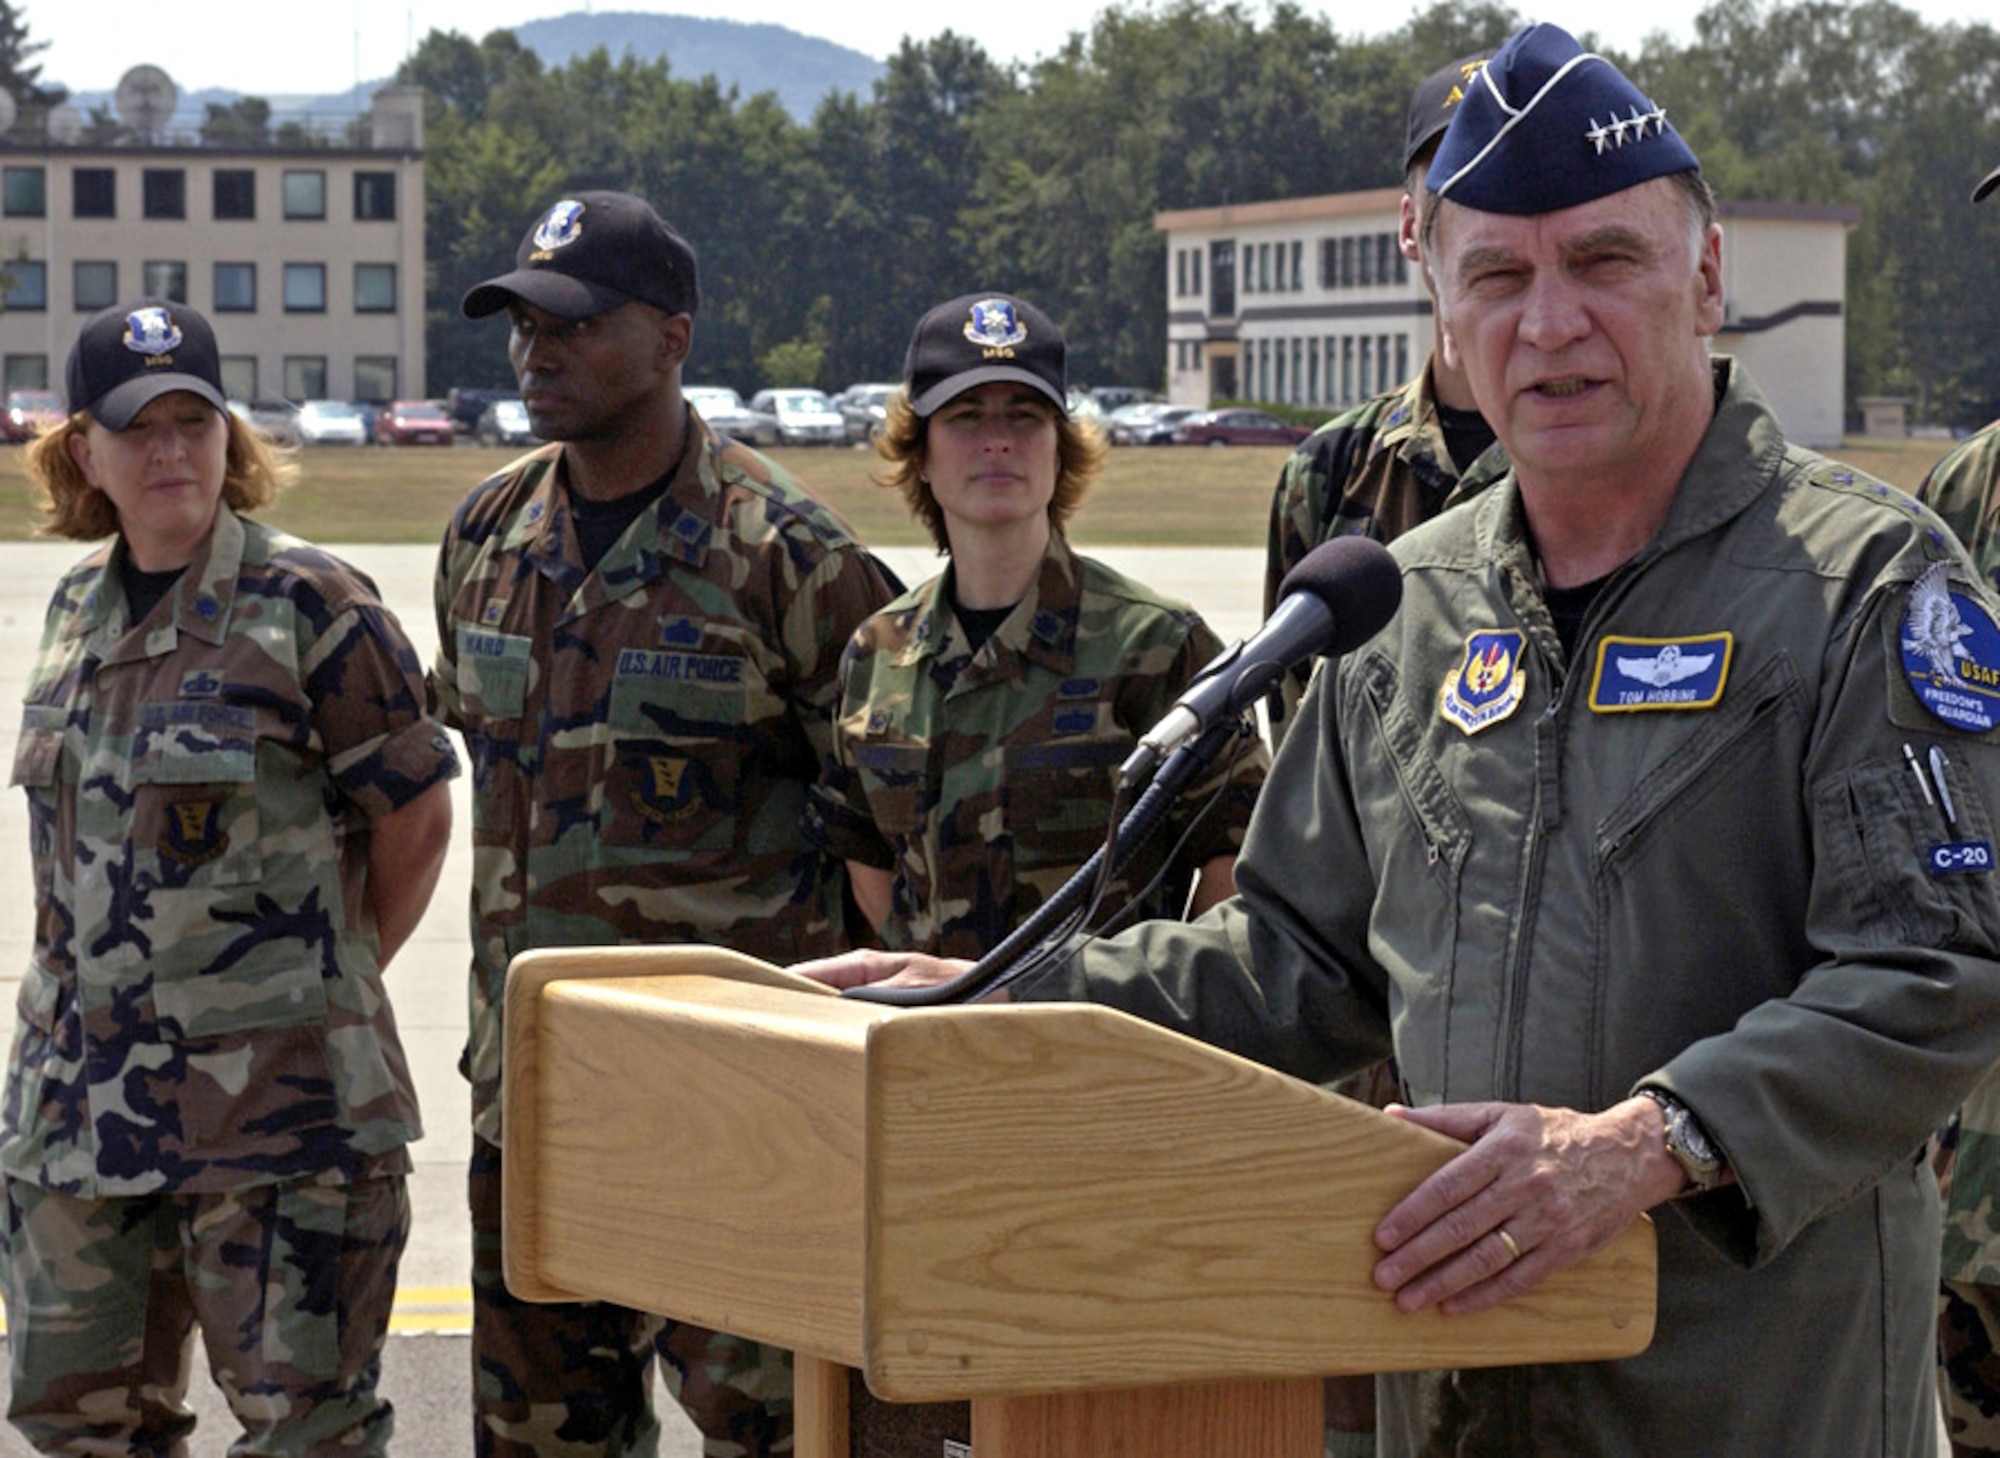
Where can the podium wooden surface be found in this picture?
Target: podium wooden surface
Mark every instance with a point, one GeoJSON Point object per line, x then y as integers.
{"type": "Point", "coordinates": [984, 1202]}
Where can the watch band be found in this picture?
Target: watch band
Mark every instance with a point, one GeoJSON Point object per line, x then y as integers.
{"type": "Point", "coordinates": [1688, 1142]}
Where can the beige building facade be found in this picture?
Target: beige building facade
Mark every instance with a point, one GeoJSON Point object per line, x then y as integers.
{"type": "Point", "coordinates": [307, 258]}
{"type": "Point", "coordinates": [1309, 301]}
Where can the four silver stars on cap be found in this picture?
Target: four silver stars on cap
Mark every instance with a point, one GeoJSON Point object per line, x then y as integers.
{"type": "Point", "coordinates": [1613, 134]}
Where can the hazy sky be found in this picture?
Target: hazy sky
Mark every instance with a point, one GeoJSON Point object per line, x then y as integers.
{"type": "Point", "coordinates": [313, 48]}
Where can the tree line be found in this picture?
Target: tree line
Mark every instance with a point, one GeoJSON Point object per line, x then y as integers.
{"type": "Point", "coordinates": [822, 241]}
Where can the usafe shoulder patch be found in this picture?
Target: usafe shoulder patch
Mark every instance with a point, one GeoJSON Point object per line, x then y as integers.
{"type": "Point", "coordinates": [1489, 683]}
{"type": "Point", "coordinates": [1951, 653]}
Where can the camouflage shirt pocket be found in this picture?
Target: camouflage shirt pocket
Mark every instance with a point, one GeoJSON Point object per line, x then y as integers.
{"type": "Point", "coordinates": [39, 752]}
{"type": "Point", "coordinates": [492, 672]}
{"type": "Point", "coordinates": [1059, 796]}
{"type": "Point", "coordinates": [194, 810]}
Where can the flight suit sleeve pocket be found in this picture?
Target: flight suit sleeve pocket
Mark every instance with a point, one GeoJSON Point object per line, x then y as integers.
{"type": "Point", "coordinates": [1913, 869]}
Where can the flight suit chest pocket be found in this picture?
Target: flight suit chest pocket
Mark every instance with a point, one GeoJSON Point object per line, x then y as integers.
{"type": "Point", "coordinates": [492, 672]}
{"type": "Point", "coordinates": [194, 795]}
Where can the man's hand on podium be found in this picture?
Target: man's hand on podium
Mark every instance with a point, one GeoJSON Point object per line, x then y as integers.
{"type": "Point", "coordinates": [1538, 1189]}
{"type": "Point", "coordinates": [895, 969]}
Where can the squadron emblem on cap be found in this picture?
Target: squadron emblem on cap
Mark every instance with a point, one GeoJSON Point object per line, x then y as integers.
{"type": "Point", "coordinates": [563, 225]}
{"type": "Point", "coordinates": [995, 325]}
{"type": "Point", "coordinates": [152, 331]}
{"type": "Point", "coordinates": [1951, 653]}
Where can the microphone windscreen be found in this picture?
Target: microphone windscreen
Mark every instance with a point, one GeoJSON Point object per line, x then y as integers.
{"type": "Point", "coordinates": [1358, 581]}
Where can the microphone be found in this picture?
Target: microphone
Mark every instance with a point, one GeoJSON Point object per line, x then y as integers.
{"type": "Point", "coordinates": [1341, 594]}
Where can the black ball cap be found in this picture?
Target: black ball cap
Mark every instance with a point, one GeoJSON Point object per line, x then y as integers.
{"type": "Point", "coordinates": [131, 354]}
{"type": "Point", "coordinates": [1437, 97]}
{"type": "Point", "coordinates": [976, 339]}
{"type": "Point", "coordinates": [590, 253]}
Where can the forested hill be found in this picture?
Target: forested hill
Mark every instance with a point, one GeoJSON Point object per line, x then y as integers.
{"type": "Point", "coordinates": [801, 69]}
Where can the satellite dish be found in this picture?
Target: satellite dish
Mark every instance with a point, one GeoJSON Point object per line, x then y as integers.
{"type": "Point", "coordinates": [65, 124]}
{"type": "Point", "coordinates": [8, 111]}
{"type": "Point", "coordinates": [145, 99]}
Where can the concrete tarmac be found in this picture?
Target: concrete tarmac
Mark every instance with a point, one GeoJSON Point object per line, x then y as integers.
{"type": "Point", "coordinates": [426, 1370]}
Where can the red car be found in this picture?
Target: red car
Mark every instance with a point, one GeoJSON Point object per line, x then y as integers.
{"type": "Point", "coordinates": [413, 422]}
{"type": "Point", "coordinates": [1237, 427]}
{"type": "Point", "coordinates": [28, 413]}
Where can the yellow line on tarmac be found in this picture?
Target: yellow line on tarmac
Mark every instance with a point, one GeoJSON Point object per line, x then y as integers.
{"type": "Point", "coordinates": [418, 1308]}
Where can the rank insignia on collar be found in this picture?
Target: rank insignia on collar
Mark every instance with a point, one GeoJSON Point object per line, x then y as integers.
{"type": "Point", "coordinates": [1638, 674]}
{"type": "Point", "coordinates": [1951, 653]}
{"type": "Point", "coordinates": [1489, 684]}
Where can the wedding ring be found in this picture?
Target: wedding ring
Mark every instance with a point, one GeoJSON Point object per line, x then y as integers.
{"type": "Point", "coordinates": [1513, 1250]}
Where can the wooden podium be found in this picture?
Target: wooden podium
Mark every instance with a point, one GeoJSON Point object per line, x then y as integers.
{"type": "Point", "coordinates": [1112, 1238]}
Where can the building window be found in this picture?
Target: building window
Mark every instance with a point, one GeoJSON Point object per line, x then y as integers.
{"type": "Point", "coordinates": [94, 192]}
{"type": "Point", "coordinates": [1347, 262]}
{"type": "Point", "coordinates": [375, 377]}
{"type": "Point", "coordinates": [1402, 353]}
{"type": "Point", "coordinates": [239, 376]}
{"type": "Point", "coordinates": [1277, 384]}
{"type": "Point", "coordinates": [305, 194]}
{"type": "Point", "coordinates": [235, 288]}
{"type": "Point", "coordinates": [1312, 372]}
{"type": "Point", "coordinates": [1298, 265]}
{"type": "Point", "coordinates": [95, 285]}
{"type": "Point", "coordinates": [164, 192]}
{"type": "Point", "coordinates": [1382, 380]}
{"type": "Point", "coordinates": [1385, 250]}
{"type": "Point", "coordinates": [235, 193]}
{"type": "Point", "coordinates": [375, 289]}
{"type": "Point", "coordinates": [305, 288]}
{"type": "Point", "coordinates": [305, 377]}
{"type": "Point", "coordinates": [1197, 268]}
{"type": "Point", "coordinates": [1402, 265]}
{"type": "Point", "coordinates": [1298, 370]}
{"type": "Point", "coordinates": [1365, 263]}
{"type": "Point", "coordinates": [1222, 278]}
{"type": "Point", "coordinates": [1180, 273]}
{"type": "Point", "coordinates": [374, 197]}
{"type": "Point", "coordinates": [1347, 369]}
{"type": "Point", "coordinates": [27, 286]}
{"type": "Point", "coordinates": [167, 281]}
{"type": "Point", "coordinates": [26, 372]}
{"type": "Point", "coordinates": [24, 192]}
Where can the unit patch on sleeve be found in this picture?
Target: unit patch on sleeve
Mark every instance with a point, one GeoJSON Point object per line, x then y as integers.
{"type": "Point", "coordinates": [1637, 674]}
{"type": "Point", "coordinates": [1951, 653]}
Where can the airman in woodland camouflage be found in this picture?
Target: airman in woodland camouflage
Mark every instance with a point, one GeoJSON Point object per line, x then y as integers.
{"type": "Point", "coordinates": [984, 716]}
{"type": "Point", "coordinates": [1961, 488]}
{"type": "Point", "coordinates": [1395, 461]}
{"type": "Point", "coordinates": [237, 813]}
{"type": "Point", "coordinates": [640, 628]}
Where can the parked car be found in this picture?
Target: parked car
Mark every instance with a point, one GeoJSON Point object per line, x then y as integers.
{"type": "Point", "coordinates": [864, 408]}
{"type": "Point", "coordinates": [413, 422]}
{"type": "Point", "coordinates": [1081, 406]}
{"type": "Point", "coordinates": [504, 422]}
{"type": "Point", "coordinates": [30, 412]}
{"type": "Point", "coordinates": [1237, 427]}
{"type": "Point", "coordinates": [465, 405]}
{"type": "Point", "coordinates": [726, 414]}
{"type": "Point", "coordinates": [276, 420]}
{"type": "Point", "coordinates": [1112, 398]}
{"type": "Point", "coordinates": [805, 417]}
{"type": "Point", "coordinates": [1150, 422]}
{"type": "Point", "coordinates": [331, 422]}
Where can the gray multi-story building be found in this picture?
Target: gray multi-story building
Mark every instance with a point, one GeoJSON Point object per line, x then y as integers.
{"type": "Point", "coordinates": [306, 253]}
{"type": "Point", "coordinates": [1309, 301]}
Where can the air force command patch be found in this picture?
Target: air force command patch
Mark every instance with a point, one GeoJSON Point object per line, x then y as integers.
{"type": "Point", "coordinates": [1638, 674]}
{"type": "Point", "coordinates": [1489, 684]}
{"type": "Point", "coordinates": [1951, 653]}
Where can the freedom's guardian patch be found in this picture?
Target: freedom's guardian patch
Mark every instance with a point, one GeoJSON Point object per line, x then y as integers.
{"type": "Point", "coordinates": [1637, 674]}
{"type": "Point", "coordinates": [1951, 653]}
{"type": "Point", "coordinates": [1489, 685]}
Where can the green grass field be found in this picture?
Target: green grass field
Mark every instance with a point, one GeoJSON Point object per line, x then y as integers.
{"type": "Point", "coordinates": [1160, 496]}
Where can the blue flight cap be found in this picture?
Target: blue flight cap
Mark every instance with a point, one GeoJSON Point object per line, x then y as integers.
{"type": "Point", "coordinates": [1548, 125]}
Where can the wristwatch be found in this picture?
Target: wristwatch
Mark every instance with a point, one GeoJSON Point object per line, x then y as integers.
{"type": "Point", "coordinates": [1689, 1143]}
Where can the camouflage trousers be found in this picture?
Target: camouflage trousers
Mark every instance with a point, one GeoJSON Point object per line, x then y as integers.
{"type": "Point", "coordinates": [574, 1379]}
{"type": "Point", "coordinates": [1969, 1365]}
{"type": "Point", "coordinates": [290, 1286]}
